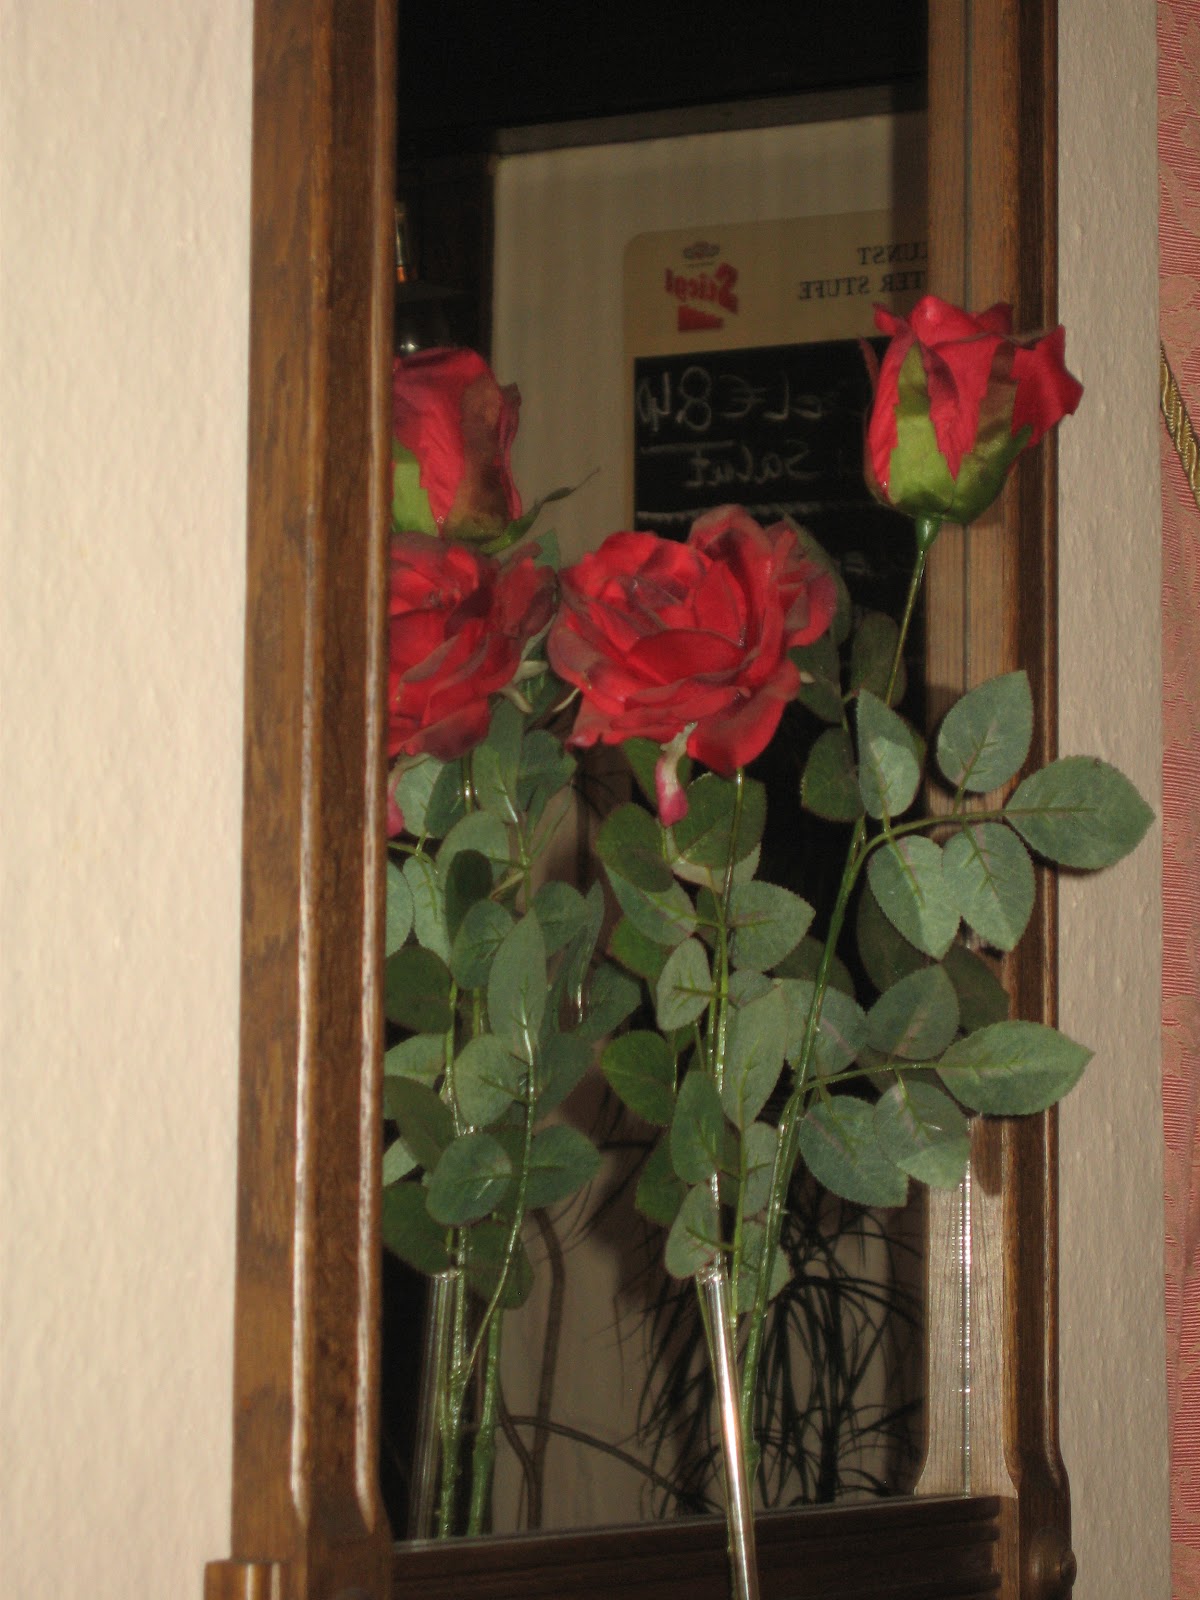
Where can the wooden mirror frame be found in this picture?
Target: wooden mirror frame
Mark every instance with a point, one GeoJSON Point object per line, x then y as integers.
{"type": "Point", "coordinates": [307, 1520]}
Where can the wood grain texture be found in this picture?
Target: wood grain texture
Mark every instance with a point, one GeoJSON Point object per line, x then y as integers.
{"type": "Point", "coordinates": [992, 607]}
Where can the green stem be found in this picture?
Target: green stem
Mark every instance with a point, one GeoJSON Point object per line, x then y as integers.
{"type": "Point", "coordinates": [483, 1457]}
{"type": "Point", "coordinates": [452, 1402]}
{"type": "Point", "coordinates": [787, 1147]}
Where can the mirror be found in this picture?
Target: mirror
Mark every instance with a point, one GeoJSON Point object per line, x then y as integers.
{"type": "Point", "coordinates": [306, 1516]}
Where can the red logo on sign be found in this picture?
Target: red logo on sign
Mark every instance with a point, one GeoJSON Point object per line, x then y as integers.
{"type": "Point", "coordinates": [700, 291]}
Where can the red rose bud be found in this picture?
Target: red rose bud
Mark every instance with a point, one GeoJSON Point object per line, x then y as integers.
{"type": "Point", "coordinates": [458, 626]}
{"type": "Point", "coordinates": [687, 644]}
{"type": "Point", "coordinates": [453, 426]}
{"type": "Point", "coordinates": [957, 399]}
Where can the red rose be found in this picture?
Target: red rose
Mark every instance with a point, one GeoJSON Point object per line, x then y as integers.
{"type": "Point", "coordinates": [457, 424]}
{"type": "Point", "coordinates": [956, 401]}
{"type": "Point", "coordinates": [688, 643]}
{"type": "Point", "coordinates": [458, 625]}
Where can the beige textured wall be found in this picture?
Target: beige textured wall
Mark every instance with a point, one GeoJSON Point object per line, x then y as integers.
{"type": "Point", "coordinates": [124, 143]}
{"type": "Point", "coordinates": [1114, 1406]}
{"type": "Point", "coordinates": [125, 148]}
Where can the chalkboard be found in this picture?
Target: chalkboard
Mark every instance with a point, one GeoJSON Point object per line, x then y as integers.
{"type": "Point", "coordinates": [776, 429]}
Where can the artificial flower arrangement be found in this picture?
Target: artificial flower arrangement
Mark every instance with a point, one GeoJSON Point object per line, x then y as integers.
{"type": "Point", "coordinates": [713, 1012]}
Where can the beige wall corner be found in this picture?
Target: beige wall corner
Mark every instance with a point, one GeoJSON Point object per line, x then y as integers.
{"type": "Point", "coordinates": [1113, 1385]}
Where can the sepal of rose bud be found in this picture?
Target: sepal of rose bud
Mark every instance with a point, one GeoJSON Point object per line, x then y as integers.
{"type": "Point", "coordinates": [668, 791]}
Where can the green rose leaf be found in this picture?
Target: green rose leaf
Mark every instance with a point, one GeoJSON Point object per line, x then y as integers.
{"type": "Point", "coordinates": [842, 1150]}
{"type": "Point", "coordinates": [685, 988]}
{"type": "Point", "coordinates": [423, 1118]}
{"type": "Point", "coordinates": [561, 1160]}
{"type": "Point", "coordinates": [923, 1132]}
{"type": "Point", "coordinates": [630, 841]}
{"type": "Point", "coordinates": [907, 880]}
{"type": "Point", "coordinates": [697, 1129]}
{"type": "Point", "coordinates": [578, 952]}
{"type": "Point", "coordinates": [805, 959]}
{"type": "Point", "coordinates": [416, 990]}
{"type": "Point", "coordinates": [759, 1143]}
{"type": "Point", "coordinates": [640, 1070]}
{"type": "Point", "coordinates": [468, 881]}
{"type": "Point", "coordinates": [916, 1018]}
{"type": "Point", "coordinates": [495, 764]}
{"type": "Point", "coordinates": [413, 788]}
{"type": "Point", "coordinates": [486, 1080]}
{"type": "Point", "coordinates": [841, 1031]}
{"type": "Point", "coordinates": [889, 762]}
{"type": "Point", "coordinates": [483, 930]}
{"type": "Point", "coordinates": [872, 652]}
{"type": "Point", "coordinates": [546, 768]}
{"type": "Point", "coordinates": [982, 998]}
{"type": "Point", "coordinates": [635, 952]}
{"type": "Point", "coordinates": [1079, 812]}
{"type": "Point", "coordinates": [1012, 1068]}
{"type": "Point", "coordinates": [666, 917]}
{"type": "Point", "coordinates": [480, 831]}
{"type": "Point", "coordinates": [820, 678]}
{"type": "Point", "coordinates": [694, 1241]}
{"type": "Point", "coordinates": [399, 910]}
{"type": "Point", "coordinates": [768, 923]}
{"type": "Point", "coordinates": [704, 837]}
{"type": "Point", "coordinates": [985, 736]}
{"type": "Point", "coordinates": [410, 1232]}
{"type": "Point", "coordinates": [424, 880]}
{"type": "Point", "coordinates": [562, 1063]}
{"type": "Point", "coordinates": [516, 990]}
{"type": "Point", "coordinates": [485, 1263]}
{"type": "Point", "coordinates": [753, 1057]}
{"type": "Point", "coordinates": [885, 953]}
{"type": "Point", "coordinates": [659, 1192]}
{"type": "Point", "coordinates": [989, 873]}
{"type": "Point", "coordinates": [469, 1181]}
{"type": "Point", "coordinates": [398, 1162]}
{"type": "Point", "coordinates": [411, 511]}
{"type": "Point", "coordinates": [829, 786]}
{"type": "Point", "coordinates": [754, 1239]}
{"type": "Point", "coordinates": [446, 805]}
{"type": "Point", "coordinates": [561, 912]}
{"type": "Point", "coordinates": [612, 996]}
{"type": "Point", "coordinates": [422, 1057]}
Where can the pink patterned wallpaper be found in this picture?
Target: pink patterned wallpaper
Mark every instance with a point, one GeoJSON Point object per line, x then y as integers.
{"type": "Point", "coordinates": [1179, 313]}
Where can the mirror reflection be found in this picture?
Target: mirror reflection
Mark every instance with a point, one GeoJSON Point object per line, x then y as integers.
{"type": "Point", "coordinates": [562, 252]}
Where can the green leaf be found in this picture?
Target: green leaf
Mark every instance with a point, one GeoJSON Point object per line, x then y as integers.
{"type": "Point", "coordinates": [889, 764]}
{"type": "Point", "coordinates": [480, 831]}
{"type": "Point", "coordinates": [820, 678]}
{"type": "Point", "coordinates": [841, 1148]}
{"type": "Point", "coordinates": [578, 953]}
{"type": "Point", "coordinates": [495, 763]}
{"type": "Point", "coordinates": [612, 996]}
{"type": "Point", "coordinates": [885, 953]}
{"type": "Point", "coordinates": [659, 1192]}
{"type": "Point", "coordinates": [640, 1070]}
{"type": "Point", "coordinates": [469, 1181]}
{"type": "Point", "coordinates": [871, 655]}
{"type": "Point", "coordinates": [906, 878]}
{"type": "Point", "coordinates": [562, 1062]}
{"type": "Point", "coordinates": [806, 958]}
{"type": "Point", "coordinates": [1012, 1068]}
{"type": "Point", "coordinates": [399, 910]}
{"type": "Point", "coordinates": [982, 998]}
{"type": "Point", "coordinates": [923, 1132]}
{"type": "Point", "coordinates": [635, 952]}
{"type": "Point", "coordinates": [630, 840]}
{"type": "Point", "coordinates": [643, 755]}
{"type": "Point", "coordinates": [422, 1057]}
{"type": "Point", "coordinates": [410, 1232]}
{"type": "Point", "coordinates": [411, 511]}
{"type": "Point", "coordinates": [697, 1129]}
{"type": "Point", "coordinates": [829, 786]}
{"type": "Point", "coordinates": [685, 989]}
{"type": "Point", "coordinates": [468, 881]}
{"type": "Point", "coordinates": [416, 990]}
{"type": "Point", "coordinates": [753, 1057]}
{"type": "Point", "coordinates": [561, 1160]}
{"type": "Point", "coordinates": [485, 1262]}
{"type": "Point", "coordinates": [747, 985]}
{"type": "Point", "coordinates": [483, 930]}
{"type": "Point", "coordinates": [545, 769]}
{"type": "Point", "coordinates": [754, 1239]}
{"type": "Point", "coordinates": [412, 789]}
{"type": "Point", "coordinates": [916, 1018]}
{"type": "Point", "coordinates": [666, 917]}
{"type": "Point", "coordinates": [1079, 812]}
{"type": "Point", "coordinates": [841, 1031]}
{"type": "Point", "coordinates": [424, 880]}
{"type": "Point", "coordinates": [705, 835]}
{"type": "Point", "coordinates": [989, 873]}
{"type": "Point", "coordinates": [768, 923]}
{"type": "Point", "coordinates": [759, 1143]}
{"type": "Point", "coordinates": [561, 912]}
{"type": "Point", "coordinates": [422, 1117]}
{"type": "Point", "coordinates": [446, 804]}
{"type": "Point", "coordinates": [486, 1080]}
{"type": "Point", "coordinates": [694, 1241]}
{"type": "Point", "coordinates": [985, 737]}
{"type": "Point", "coordinates": [398, 1162]}
{"type": "Point", "coordinates": [516, 990]}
